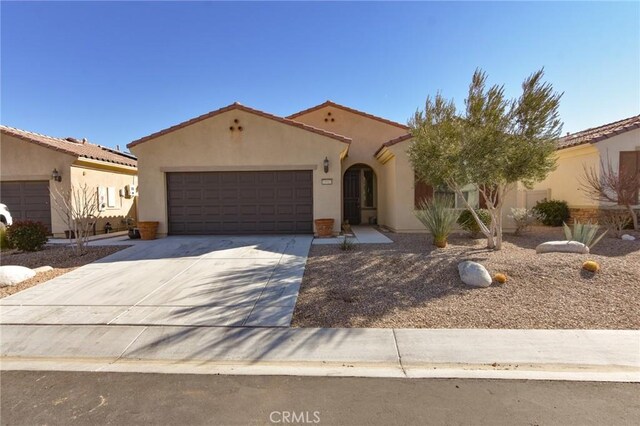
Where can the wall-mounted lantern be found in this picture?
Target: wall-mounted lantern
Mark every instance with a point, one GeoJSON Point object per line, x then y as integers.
{"type": "Point", "coordinates": [326, 164]}
{"type": "Point", "coordinates": [55, 175]}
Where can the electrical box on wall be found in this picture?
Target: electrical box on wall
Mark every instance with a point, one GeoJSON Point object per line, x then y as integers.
{"type": "Point", "coordinates": [130, 191]}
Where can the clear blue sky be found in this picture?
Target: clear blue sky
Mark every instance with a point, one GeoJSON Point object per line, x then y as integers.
{"type": "Point", "coordinates": [114, 72]}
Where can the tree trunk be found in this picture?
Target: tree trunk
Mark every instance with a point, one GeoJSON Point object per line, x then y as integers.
{"type": "Point", "coordinates": [634, 217]}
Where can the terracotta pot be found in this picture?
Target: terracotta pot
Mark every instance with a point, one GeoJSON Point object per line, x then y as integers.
{"type": "Point", "coordinates": [324, 227]}
{"type": "Point", "coordinates": [148, 230]}
{"type": "Point", "coordinates": [440, 242]}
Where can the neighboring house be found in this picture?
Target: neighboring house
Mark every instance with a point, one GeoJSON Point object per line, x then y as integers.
{"type": "Point", "coordinates": [618, 143]}
{"type": "Point", "coordinates": [239, 170]}
{"type": "Point", "coordinates": [34, 166]}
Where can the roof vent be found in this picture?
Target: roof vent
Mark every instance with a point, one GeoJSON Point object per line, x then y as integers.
{"type": "Point", "coordinates": [74, 140]}
{"type": "Point", "coordinates": [84, 140]}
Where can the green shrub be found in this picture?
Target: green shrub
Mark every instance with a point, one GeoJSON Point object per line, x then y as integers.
{"type": "Point", "coordinates": [584, 233]}
{"type": "Point", "coordinates": [552, 212]}
{"type": "Point", "coordinates": [438, 218]}
{"type": "Point", "coordinates": [27, 235]}
{"type": "Point", "coordinates": [4, 240]}
{"type": "Point", "coordinates": [347, 244]}
{"type": "Point", "coordinates": [468, 223]}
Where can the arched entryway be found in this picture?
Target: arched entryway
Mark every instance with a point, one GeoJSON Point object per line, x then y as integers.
{"type": "Point", "coordinates": [359, 195]}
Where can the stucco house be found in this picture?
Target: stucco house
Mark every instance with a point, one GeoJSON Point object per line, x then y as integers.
{"type": "Point", "coordinates": [617, 143]}
{"type": "Point", "coordinates": [241, 170]}
{"type": "Point", "coordinates": [33, 166]}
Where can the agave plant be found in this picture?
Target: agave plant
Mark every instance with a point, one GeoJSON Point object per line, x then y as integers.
{"type": "Point", "coordinates": [438, 218]}
{"type": "Point", "coordinates": [584, 233]}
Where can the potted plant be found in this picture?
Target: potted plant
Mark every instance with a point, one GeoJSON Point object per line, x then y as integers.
{"type": "Point", "coordinates": [148, 229]}
{"type": "Point", "coordinates": [324, 227]}
{"type": "Point", "coordinates": [439, 219]}
{"type": "Point", "coordinates": [134, 233]}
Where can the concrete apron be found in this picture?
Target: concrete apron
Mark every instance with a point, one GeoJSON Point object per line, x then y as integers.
{"type": "Point", "coordinates": [583, 355]}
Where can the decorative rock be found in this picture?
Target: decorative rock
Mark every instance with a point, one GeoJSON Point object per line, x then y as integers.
{"type": "Point", "coordinates": [474, 274]}
{"type": "Point", "coordinates": [628, 237]}
{"type": "Point", "coordinates": [562, 247]}
{"type": "Point", "coordinates": [42, 269]}
{"type": "Point", "coordinates": [12, 275]}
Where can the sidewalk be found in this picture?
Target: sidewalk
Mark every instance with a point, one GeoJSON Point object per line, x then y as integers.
{"type": "Point", "coordinates": [586, 355]}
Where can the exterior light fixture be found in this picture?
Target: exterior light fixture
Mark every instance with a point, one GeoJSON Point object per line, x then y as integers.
{"type": "Point", "coordinates": [326, 164]}
{"type": "Point", "coordinates": [55, 175]}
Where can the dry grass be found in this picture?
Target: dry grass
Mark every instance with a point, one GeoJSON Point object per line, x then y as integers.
{"type": "Point", "coordinates": [411, 284]}
{"type": "Point", "coordinates": [61, 259]}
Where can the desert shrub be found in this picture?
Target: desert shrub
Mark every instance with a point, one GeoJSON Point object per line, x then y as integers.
{"type": "Point", "coordinates": [4, 240]}
{"type": "Point", "coordinates": [438, 218]}
{"type": "Point", "coordinates": [584, 233]}
{"type": "Point", "coordinates": [468, 223]}
{"type": "Point", "coordinates": [552, 212]}
{"type": "Point", "coordinates": [615, 220]}
{"type": "Point", "coordinates": [347, 244]}
{"type": "Point", "coordinates": [523, 218]}
{"type": "Point", "coordinates": [27, 235]}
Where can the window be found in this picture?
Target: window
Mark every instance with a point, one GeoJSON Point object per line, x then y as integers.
{"type": "Point", "coordinates": [469, 193]}
{"type": "Point", "coordinates": [368, 190]}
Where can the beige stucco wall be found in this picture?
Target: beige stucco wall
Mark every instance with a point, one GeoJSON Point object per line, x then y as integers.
{"type": "Point", "coordinates": [368, 135]}
{"type": "Point", "coordinates": [264, 144]}
{"type": "Point", "coordinates": [564, 182]}
{"type": "Point", "coordinates": [25, 161]}
{"type": "Point", "coordinates": [84, 173]}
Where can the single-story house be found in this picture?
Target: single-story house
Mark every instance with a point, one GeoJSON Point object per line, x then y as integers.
{"type": "Point", "coordinates": [239, 170]}
{"type": "Point", "coordinates": [35, 167]}
{"type": "Point", "coordinates": [617, 143]}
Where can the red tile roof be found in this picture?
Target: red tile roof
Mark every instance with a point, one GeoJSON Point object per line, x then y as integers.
{"type": "Point", "coordinates": [71, 146]}
{"type": "Point", "coordinates": [238, 106]}
{"type": "Point", "coordinates": [345, 108]}
{"type": "Point", "coordinates": [597, 134]}
{"type": "Point", "coordinates": [393, 142]}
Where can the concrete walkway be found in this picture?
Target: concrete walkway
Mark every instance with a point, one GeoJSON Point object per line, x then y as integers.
{"type": "Point", "coordinates": [587, 355]}
{"type": "Point", "coordinates": [189, 281]}
{"type": "Point", "coordinates": [362, 235]}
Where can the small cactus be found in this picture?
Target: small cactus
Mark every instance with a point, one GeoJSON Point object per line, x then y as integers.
{"type": "Point", "coordinates": [591, 266]}
{"type": "Point", "coordinates": [500, 278]}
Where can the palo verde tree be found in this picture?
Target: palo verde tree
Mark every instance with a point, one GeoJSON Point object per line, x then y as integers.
{"type": "Point", "coordinates": [494, 144]}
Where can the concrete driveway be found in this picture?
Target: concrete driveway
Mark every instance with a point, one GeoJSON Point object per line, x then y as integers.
{"type": "Point", "coordinates": [212, 281]}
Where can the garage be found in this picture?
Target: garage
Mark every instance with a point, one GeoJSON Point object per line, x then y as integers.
{"type": "Point", "coordinates": [28, 200]}
{"type": "Point", "coordinates": [240, 202]}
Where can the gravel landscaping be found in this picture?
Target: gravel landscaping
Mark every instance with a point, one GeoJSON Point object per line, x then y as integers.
{"type": "Point", "coordinates": [411, 284]}
{"type": "Point", "coordinates": [62, 259]}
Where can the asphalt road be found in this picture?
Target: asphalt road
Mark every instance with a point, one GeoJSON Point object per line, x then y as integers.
{"type": "Point", "coordinates": [71, 398]}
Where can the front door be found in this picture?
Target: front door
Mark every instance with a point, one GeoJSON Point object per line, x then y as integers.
{"type": "Point", "coordinates": [351, 194]}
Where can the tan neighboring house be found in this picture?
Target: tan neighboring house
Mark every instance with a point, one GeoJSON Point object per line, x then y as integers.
{"type": "Point", "coordinates": [617, 142]}
{"type": "Point", "coordinates": [34, 166]}
{"type": "Point", "coordinates": [238, 170]}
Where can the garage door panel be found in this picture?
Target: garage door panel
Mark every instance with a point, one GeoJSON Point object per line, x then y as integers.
{"type": "Point", "coordinates": [28, 200]}
{"type": "Point", "coordinates": [240, 202]}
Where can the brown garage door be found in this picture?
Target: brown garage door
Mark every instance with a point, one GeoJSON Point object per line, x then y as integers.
{"type": "Point", "coordinates": [266, 202]}
{"type": "Point", "coordinates": [28, 200]}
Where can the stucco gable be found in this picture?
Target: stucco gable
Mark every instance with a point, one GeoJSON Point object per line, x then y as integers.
{"type": "Point", "coordinates": [238, 106]}
{"type": "Point", "coordinates": [331, 104]}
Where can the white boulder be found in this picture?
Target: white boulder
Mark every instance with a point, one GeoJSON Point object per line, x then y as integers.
{"type": "Point", "coordinates": [12, 275]}
{"type": "Point", "coordinates": [474, 274]}
{"type": "Point", "coordinates": [628, 237]}
{"type": "Point", "coordinates": [562, 247]}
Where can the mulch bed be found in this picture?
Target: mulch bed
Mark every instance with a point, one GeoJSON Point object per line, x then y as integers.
{"type": "Point", "coordinates": [62, 259]}
{"type": "Point", "coordinates": [411, 284]}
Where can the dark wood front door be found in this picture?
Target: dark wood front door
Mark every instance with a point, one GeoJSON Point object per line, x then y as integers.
{"type": "Point", "coordinates": [351, 194]}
